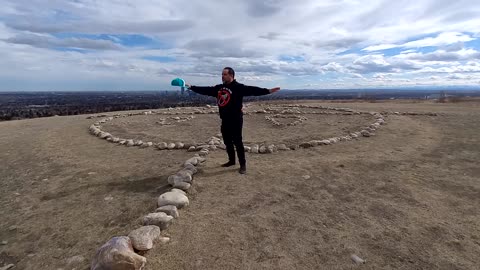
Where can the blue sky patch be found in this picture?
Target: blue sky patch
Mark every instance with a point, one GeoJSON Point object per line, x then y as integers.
{"type": "Point", "coordinates": [291, 58]}
{"type": "Point", "coordinates": [161, 59]}
{"type": "Point", "coordinates": [132, 40]}
{"type": "Point", "coordinates": [426, 50]}
{"type": "Point", "coordinates": [475, 44]}
{"type": "Point", "coordinates": [422, 36]}
{"type": "Point", "coordinates": [353, 51]}
{"type": "Point", "coordinates": [64, 49]}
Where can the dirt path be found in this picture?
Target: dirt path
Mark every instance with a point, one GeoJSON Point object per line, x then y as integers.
{"type": "Point", "coordinates": [407, 198]}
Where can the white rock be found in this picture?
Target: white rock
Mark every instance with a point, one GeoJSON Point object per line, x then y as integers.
{"type": "Point", "coordinates": [179, 191]}
{"type": "Point", "coordinates": [192, 161]}
{"type": "Point", "coordinates": [159, 219]}
{"type": "Point", "coordinates": [191, 149]}
{"type": "Point", "coordinates": [181, 176]}
{"type": "Point", "coordinates": [173, 198]}
{"type": "Point", "coordinates": [325, 142]}
{"type": "Point", "coordinates": [192, 169]}
{"type": "Point", "coordinates": [222, 146]}
{"type": "Point", "coordinates": [179, 145]}
{"type": "Point", "coordinates": [144, 237]}
{"type": "Point", "coordinates": [118, 253]}
{"type": "Point", "coordinates": [271, 148]}
{"type": "Point", "coordinates": [247, 148]}
{"type": "Point", "coordinates": [182, 185]}
{"type": "Point", "coordinates": [262, 149]}
{"type": "Point", "coordinates": [174, 179]}
{"type": "Point", "coordinates": [200, 159]}
{"type": "Point", "coordinates": [283, 147]}
{"type": "Point", "coordinates": [164, 240]}
{"type": "Point", "coordinates": [104, 135]}
{"type": "Point", "coordinates": [75, 260]}
{"type": "Point", "coordinates": [365, 133]}
{"type": "Point", "coordinates": [171, 146]}
{"type": "Point", "coordinates": [357, 259]}
{"type": "Point", "coordinates": [130, 143]}
{"type": "Point", "coordinates": [162, 146]}
{"type": "Point", "coordinates": [255, 148]}
{"type": "Point", "coordinates": [313, 142]}
{"type": "Point", "coordinates": [203, 146]}
{"type": "Point", "coordinates": [170, 210]}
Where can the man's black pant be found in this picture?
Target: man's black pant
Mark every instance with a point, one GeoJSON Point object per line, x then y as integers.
{"type": "Point", "coordinates": [232, 136]}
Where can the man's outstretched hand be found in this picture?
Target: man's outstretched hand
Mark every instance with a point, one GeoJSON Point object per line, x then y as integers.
{"type": "Point", "coordinates": [273, 90]}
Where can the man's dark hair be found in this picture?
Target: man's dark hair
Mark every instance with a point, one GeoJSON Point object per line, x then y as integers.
{"type": "Point", "coordinates": [230, 71]}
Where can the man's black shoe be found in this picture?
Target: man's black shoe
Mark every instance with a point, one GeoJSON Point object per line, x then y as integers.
{"type": "Point", "coordinates": [243, 169]}
{"type": "Point", "coordinates": [228, 164]}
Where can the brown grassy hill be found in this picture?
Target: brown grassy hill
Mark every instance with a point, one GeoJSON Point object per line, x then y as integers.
{"type": "Point", "coordinates": [406, 198]}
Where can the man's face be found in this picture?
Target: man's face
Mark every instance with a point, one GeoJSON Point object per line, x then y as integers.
{"type": "Point", "coordinates": [226, 78]}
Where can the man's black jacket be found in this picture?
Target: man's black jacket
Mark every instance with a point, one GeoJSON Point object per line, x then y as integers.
{"type": "Point", "coordinates": [230, 97]}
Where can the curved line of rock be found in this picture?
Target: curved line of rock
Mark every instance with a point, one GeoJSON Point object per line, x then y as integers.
{"type": "Point", "coordinates": [215, 142]}
{"type": "Point", "coordinates": [122, 252]}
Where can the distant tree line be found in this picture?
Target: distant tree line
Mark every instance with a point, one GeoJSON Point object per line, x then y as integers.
{"type": "Point", "coordinates": [14, 106]}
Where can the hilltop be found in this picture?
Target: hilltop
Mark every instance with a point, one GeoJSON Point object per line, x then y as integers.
{"type": "Point", "coordinates": [405, 197]}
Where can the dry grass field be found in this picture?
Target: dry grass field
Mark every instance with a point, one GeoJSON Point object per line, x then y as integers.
{"type": "Point", "coordinates": [406, 198]}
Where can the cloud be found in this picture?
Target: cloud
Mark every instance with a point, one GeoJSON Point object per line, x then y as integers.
{"type": "Point", "coordinates": [371, 64]}
{"type": "Point", "coordinates": [270, 36]}
{"type": "Point", "coordinates": [219, 48]}
{"type": "Point", "coordinates": [118, 27]}
{"type": "Point", "coordinates": [264, 8]}
{"type": "Point", "coordinates": [445, 56]}
{"type": "Point", "coordinates": [45, 41]}
{"type": "Point", "coordinates": [441, 39]}
{"type": "Point", "coordinates": [333, 67]}
{"type": "Point", "coordinates": [338, 43]}
{"type": "Point", "coordinates": [317, 43]}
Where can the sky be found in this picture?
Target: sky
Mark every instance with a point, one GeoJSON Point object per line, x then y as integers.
{"type": "Point", "coordinates": [75, 45]}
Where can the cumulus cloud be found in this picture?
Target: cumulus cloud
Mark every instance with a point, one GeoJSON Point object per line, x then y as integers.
{"type": "Point", "coordinates": [45, 41]}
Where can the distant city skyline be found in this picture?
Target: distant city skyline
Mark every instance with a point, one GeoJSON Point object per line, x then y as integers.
{"type": "Point", "coordinates": [142, 45]}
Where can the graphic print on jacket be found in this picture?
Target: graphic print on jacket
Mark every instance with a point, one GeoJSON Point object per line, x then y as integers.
{"type": "Point", "coordinates": [230, 97]}
{"type": "Point", "coordinates": [223, 97]}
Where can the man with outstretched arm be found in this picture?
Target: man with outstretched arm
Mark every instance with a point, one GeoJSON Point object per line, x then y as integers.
{"type": "Point", "coordinates": [230, 102]}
